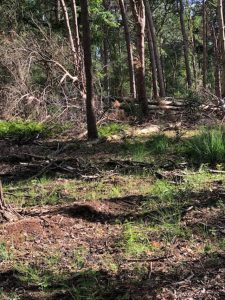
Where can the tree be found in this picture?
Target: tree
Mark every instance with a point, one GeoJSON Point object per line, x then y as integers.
{"type": "Point", "coordinates": [129, 49]}
{"type": "Point", "coordinates": [91, 119]}
{"type": "Point", "coordinates": [222, 45]}
{"type": "Point", "coordinates": [155, 55]}
{"type": "Point", "coordinates": [138, 10]}
{"type": "Point", "coordinates": [185, 43]}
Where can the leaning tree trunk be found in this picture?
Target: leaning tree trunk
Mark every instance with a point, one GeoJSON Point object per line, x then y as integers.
{"type": "Point", "coordinates": [78, 47]}
{"type": "Point", "coordinates": [151, 26]}
{"type": "Point", "coordinates": [153, 64]}
{"type": "Point", "coordinates": [129, 49]}
{"type": "Point", "coordinates": [7, 214]}
{"type": "Point", "coordinates": [185, 44]}
{"type": "Point", "coordinates": [91, 119]}
{"type": "Point", "coordinates": [138, 10]}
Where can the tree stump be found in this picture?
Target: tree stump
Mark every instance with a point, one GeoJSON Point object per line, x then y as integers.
{"type": "Point", "coordinates": [7, 214]}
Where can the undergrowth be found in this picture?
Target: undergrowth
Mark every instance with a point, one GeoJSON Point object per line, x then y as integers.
{"type": "Point", "coordinates": [207, 147]}
{"type": "Point", "coordinates": [112, 129]}
{"type": "Point", "coordinates": [21, 131]}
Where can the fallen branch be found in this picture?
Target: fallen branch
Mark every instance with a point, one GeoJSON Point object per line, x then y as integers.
{"type": "Point", "coordinates": [149, 259]}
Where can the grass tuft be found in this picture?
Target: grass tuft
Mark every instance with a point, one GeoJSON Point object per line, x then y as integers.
{"type": "Point", "coordinates": [207, 147]}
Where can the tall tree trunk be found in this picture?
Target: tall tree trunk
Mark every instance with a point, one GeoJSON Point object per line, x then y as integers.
{"type": "Point", "coordinates": [150, 24]}
{"type": "Point", "coordinates": [222, 45]}
{"type": "Point", "coordinates": [205, 57]}
{"type": "Point", "coordinates": [217, 73]}
{"type": "Point", "coordinates": [105, 53]}
{"type": "Point", "coordinates": [91, 119]}
{"type": "Point", "coordinates": [78, 47]}
{"type": "Point", "coordinates": [153, 64]}
{"type": "Point", "coordinates": [57, 11]}
{"type": "Point", "coordinates": [129, 50]}
{"type": "Point", "coordinates": [185, 44]}
{"type": "Point", "coordinates": [138, 10]}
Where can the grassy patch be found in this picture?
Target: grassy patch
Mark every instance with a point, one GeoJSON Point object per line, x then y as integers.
{"type": "Point", "coordinates": [207, 147]}
{"type": "Point", "coordinates": [112, 129]}
{"type": "Point", "coordinates": [157, 144]}
{"type": "Point", "coordinates": [135, 240]}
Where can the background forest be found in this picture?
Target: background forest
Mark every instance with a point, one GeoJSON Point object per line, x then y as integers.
{"type": "Point", "coordinates": [165, 48]}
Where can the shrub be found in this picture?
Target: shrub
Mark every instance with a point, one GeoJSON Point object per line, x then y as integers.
{"type": "Point", "coordinates": [207, 147]}
{"type": "Point", "coordinates": [21, 131]}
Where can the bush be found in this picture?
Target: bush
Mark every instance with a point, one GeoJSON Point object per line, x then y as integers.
{"type": "Point", "coordinates": [21, 131]}
{"type": "Point", "coordinates": [207, 147]}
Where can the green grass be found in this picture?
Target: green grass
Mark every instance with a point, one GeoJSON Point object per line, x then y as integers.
{"type": "Point", "coordinates": [135, 239]}
{"type": "Point", "coordinates": [146, 150]}
{"type": "Point", "coordinates": [112, 129]}
{"type": "Point", "coordinates": [21, 131]}
{"type": "Point", "coordinates": [159, 144]}
{"type": "Point", "coordinates": [206, 147]}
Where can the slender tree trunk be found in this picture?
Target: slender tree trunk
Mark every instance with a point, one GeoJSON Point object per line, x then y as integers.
{"type": "Point", "coordinates": [138, 11]}
{"type": "Point", "coordinates": [78, 47]}
{"type": "Point", "coordinates": [185, 44]}
{"type": "Point", "coordinates": [217, 73]}
{"type": "Point", "coordinates": [69, 31]}
{"type": "Point", "coordinates": [129, 50]}
{"type": "Point", "coordinates": [150, 24]}
{"type": "Point", "coordinates": [91, 119]}
{"type": "Point", "coordinates": [205, 57]}
{"type": "Point", "coordinates": [57, 11]}
{"type": "Point", "coordinates": [153, 65]}
{"type": "Point", "coordinates": [105, 53]}
{"type": "Point", "coordinates": [222, 45]}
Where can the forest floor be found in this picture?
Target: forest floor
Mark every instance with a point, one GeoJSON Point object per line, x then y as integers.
{"type": "Point", "coordinates": [128, 217]}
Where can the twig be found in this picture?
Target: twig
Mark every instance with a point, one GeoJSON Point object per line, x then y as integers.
{"type": "Point", "coordinates": [148, 260]}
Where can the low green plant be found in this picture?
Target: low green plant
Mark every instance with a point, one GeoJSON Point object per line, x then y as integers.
{"type": "Point", "coordinates": [112, 129]}
{"type": "Point", "coordinates": [88, 287]}
{"type": "Point", "coordinates": [38, 276]}
{"type": "Point", "coordinates": [207, 147]}
{"type": "Point", "coordinates": [163, 190]}
{"type": "Point", "coordinates": [6, 254]}
{"type": "Point", "coordinates": [135, 239]}
{"type": "Point", "coordinates": [21, 131]}
{"type": "Point", "coordinates": [159, 144]}
{"type": "Point", "coordinates": [79, 257]}
{"type": "Point", "coordinates": [137, 151]}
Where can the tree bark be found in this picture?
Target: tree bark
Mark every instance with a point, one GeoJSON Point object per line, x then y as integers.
{"type": "Point", "coordinates": [185, 44]}
{"type": "Point", "coordinates": [222, 45]}
{"type": "Point", "coordinates": [91, 119]}
{"type": "Point", "coordinates": [153, 64]}
{"type": "Point", "coordinates": [138, 10]}
{"type": "Point", "coordinates": [205, 57]}
{"type": "Point", "coordinates": [217, 73]}
{"type": "Point", "coordinates": [129, 50]}
{"type": "Point", "coordinates": [150, 24]}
